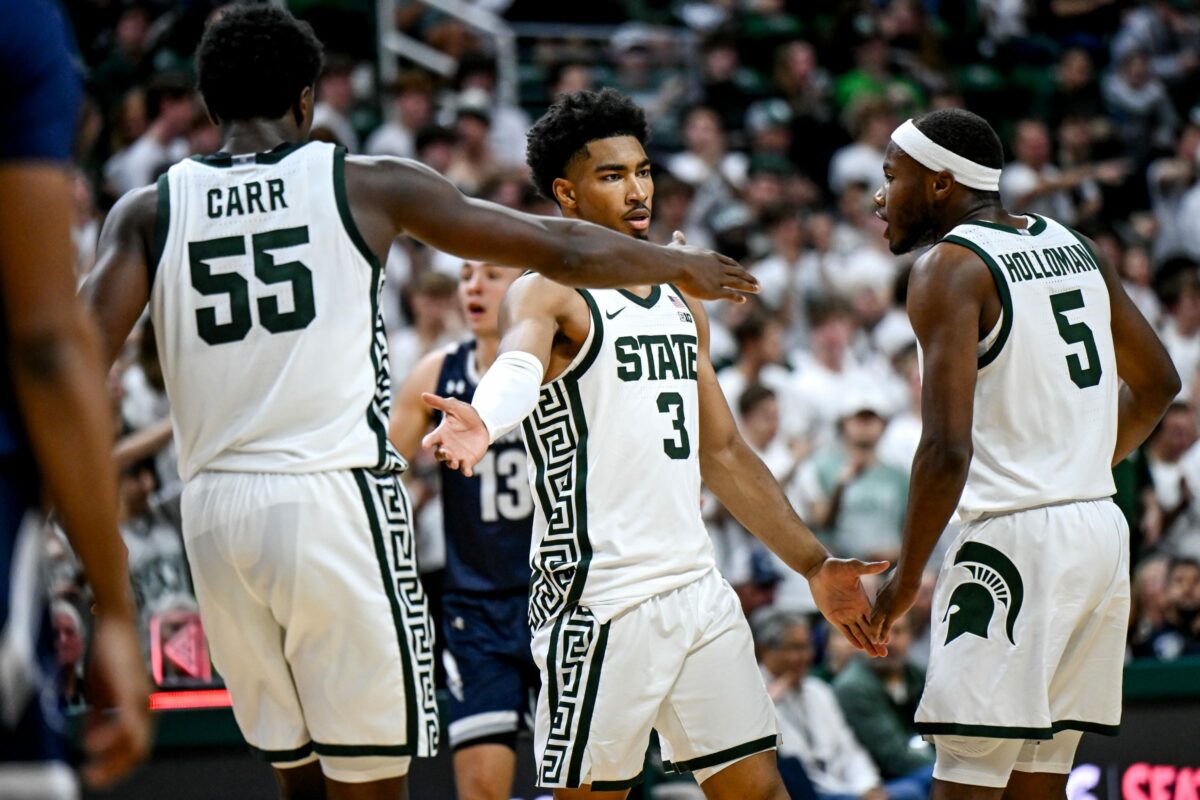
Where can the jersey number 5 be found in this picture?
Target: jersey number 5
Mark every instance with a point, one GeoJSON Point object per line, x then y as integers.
{"type": "Point", "coordinates": [1076, 333]}
{"type": "Point", "coordinates": [267, 270]}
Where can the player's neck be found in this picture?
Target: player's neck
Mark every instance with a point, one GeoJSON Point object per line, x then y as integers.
{"type": "Point", "coordinates": [972, 209]}
{"type": "Point", "coordinates": [256, 135]}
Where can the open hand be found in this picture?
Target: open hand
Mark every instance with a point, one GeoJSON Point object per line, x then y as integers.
{"type": "Point", "coordinates": [461, 439]}
{"type": "Point", "coordinates": [709, 275]}
{"type": "Point", "coordinates": [891, 603]}
{"type": "Point", "coordinates": [837, 588]}
{"type": "Point", "coordinates": [117, 731]}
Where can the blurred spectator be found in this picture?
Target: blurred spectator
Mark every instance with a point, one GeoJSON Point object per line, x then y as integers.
{"type": "Point", "coordinates": [872, 78]}
{"type": "Point", "coordinates": [672, 204]}
{"type": "Point", "coordinates": [862, 161]}
{"type": "Point", "coordinates": [70, 639]}
{"type": "Point", "coordinates": [335, 101]}
{"type": "Point", "coordinates": [706, 164]}
{"type": "Point", "coordinates": [759, 340]}
{"type": "Point", "coordinates": [170, 105]}
{"type": "Point", "coordinates": [1149, 598]}
{"type": "Point", "coordinates": [785, 274]}
{"type": "Point", "coordinates": [1168, 36]}
{"type": "Point", "coordinates": [1179, 633]}
{"type": "Point", "coordinates": [813, 730]}
{"type": "Point", "coordinates": [728, 86]}
{"type": "Point", "coordinates": [1169, 180]}
{"type": "Point", "coordinates": [1144, 115]}
{"type": "Point", "coordinates": [434, 323]}
{"type": "Point", "coordinates": [759, 414]}
{"type": "Point", "coordinates": [825, 372]}
{"type": "Point", "coordinates": [1165, 452]}
{"type": "Point", "coordinates": [124, 65]}
{"type": "Point", "coordinates": [848, 495]}
{"type": "Point", "coordinates": [903, 433]}
{"type": "Point", "coordinates": [571, 76]}
{"type": "Point", "coordinates": [85, 225]}
{"type": "Point", "coordinates": [411, 110]}
{"type": "Point", "coordinates": [1032, 185]}
{"type": "Point", "coordinates": [435, 147]}
{"type": "Point", "coordinates": [507, 124]}
{"type": "Point", "coordinates": [1137, 276]}
{"type": "Point", "coordinates": [474, 163]}
{"type": "Point", "coordinates": [1076, 93]}
{"type": "Point", "coordinates": [769, 128]}
{"type": "Point", "coordinates": [879, 698]}
{"type": "Point", "coordinates": [1180, 329]}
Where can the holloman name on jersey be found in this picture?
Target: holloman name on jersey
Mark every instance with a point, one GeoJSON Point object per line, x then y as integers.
{"type": "Point", "coordinates": [1051, 262]}
{"type": "Point", "coordinates": [656, 357]}
{"type": "Point", "coordinates": [226, 201]}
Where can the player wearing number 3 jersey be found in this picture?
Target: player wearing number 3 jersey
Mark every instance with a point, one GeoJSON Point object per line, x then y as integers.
{"type": "Point", "coordinates": [487, 518]}
{"type": "Point", "coordinates": [1038, 374]}
{"type": "Point", "coordinates": [633, 627]}
{"type": "Point", "coordinates": [261, 266]}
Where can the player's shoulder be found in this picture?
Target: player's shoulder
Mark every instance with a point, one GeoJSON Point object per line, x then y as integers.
{"type": "Point", "coordinates": [136, 212]}
{"type": "Point", "coordinates": [533, 287]}
{"type": "Point", "coordinates": [424, 376]}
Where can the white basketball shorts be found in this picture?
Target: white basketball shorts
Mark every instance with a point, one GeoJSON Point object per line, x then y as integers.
{"type": "Point", "coordinates": [315, 616]}
{"type": "Point", "coordinates": [681, 663]}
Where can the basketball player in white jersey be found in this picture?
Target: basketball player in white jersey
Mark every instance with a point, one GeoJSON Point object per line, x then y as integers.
{"type": "Point", "coordinates": [633, 627]}
{"type": "Point", "coordinates": [261, 265]}
{"type": "Point", "coordinates": [1039, 373]}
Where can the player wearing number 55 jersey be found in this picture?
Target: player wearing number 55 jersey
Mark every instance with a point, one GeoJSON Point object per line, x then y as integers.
{"type": "Point", "coordinates": [1038, 374]}
{"type": "Point", "coordinates": [633, 628]}
{"type": "Point", "coordinates": [262, 271]}
{"type": "Point", "coordinates": [487, 519]}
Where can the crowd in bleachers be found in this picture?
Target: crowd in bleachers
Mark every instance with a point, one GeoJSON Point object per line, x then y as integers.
{"type": "Point", "coordinates": [770, 118]}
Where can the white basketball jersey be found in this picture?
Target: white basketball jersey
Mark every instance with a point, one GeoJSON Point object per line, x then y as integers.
{"type": "Point", "coordinates": [265, 308]}
{"type": "Point", "coordinates": [614, 462]}
{"type": "Point", "coordinates": [1045, 421]}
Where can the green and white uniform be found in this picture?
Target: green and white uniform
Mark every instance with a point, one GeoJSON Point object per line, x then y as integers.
{"type": "Point", "coordinates": [264, 299]}
{"type": "Point", "coordinates": [1031, 606]}
{"type": "Point", "coordinates": [630, 618]}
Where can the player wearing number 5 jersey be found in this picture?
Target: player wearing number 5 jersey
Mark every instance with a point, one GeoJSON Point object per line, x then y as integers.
{"type": "Point", "coordinates": [487, 519]}
{"type": "Point", "coordinates": [633, 627]}
{"type": "Point", "coordinates": [261, 266]}
{"type": "Point", "coordinates": [1038, 374]}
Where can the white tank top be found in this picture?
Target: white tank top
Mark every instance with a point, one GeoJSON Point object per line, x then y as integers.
{"type": "Point", "coordinates": [614, 462]}
{"type": "Point", "coordinates": [265, 303]}
{"type": "Point", "coordinates": [1045, 421]}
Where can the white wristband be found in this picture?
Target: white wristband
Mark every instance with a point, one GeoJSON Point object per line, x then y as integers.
{"type": "Point", "coordinates": [508, 392]}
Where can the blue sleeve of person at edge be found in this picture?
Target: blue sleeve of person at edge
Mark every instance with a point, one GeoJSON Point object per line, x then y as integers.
{"type": "Point", "coordinates": [40, 86]}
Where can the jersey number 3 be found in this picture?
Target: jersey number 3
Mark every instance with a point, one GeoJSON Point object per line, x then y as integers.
{"type": "Point", "coordinates": [267, 270]}
{"type": "Point", "coordinates": [1076, 333]}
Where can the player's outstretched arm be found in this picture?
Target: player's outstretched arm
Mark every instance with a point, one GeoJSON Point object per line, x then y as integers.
{"type": "Point", "coordinates": [534, 311]}
{"type": "Point", "coordinates": [572, 252]}
{"type": "Point", "coordinates": [59, 385]}
{"type": "Point", "coordinates": [946, 294]}
{"type": "Point", "coordinates": [1149, 381]}
{"type": "Point", "coordinates": [744, 485]}
{"type": "Point", "coordinates": [410, 414]}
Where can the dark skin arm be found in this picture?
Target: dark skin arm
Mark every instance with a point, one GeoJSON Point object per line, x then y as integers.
{"type": "Point", "coordinates": [59, 386]}
{"type": "Point", "coordinates": [950, 291]}
{"type": "Point", "coordinates": [748, 490]}
{"type": "Point", "coordinates": [393, 196]}
{"type": "Point", "coordinates": [1148, 377]}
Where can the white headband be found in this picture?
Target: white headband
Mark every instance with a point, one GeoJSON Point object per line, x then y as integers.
{"type": "Point", "coordinates": [929, 153]}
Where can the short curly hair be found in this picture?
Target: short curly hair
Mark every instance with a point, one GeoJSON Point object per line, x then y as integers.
{"type": "Point", "coordinates": [253, 62]}
{"type": "Point", "coordinates": [574, 120]}
{"type": "Point", "coordinates": [969, 135]}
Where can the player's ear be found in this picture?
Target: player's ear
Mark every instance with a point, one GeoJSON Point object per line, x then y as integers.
{"type": "Point", "coordinates": [943, 184]}
{"type": "Point", "coordinates": [564, 193]}
{"type": "Point", "coordinates": [303, 109]}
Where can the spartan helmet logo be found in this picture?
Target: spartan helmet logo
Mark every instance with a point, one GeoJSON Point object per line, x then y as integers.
{"type": "Point", "coordinates": [994, 579]}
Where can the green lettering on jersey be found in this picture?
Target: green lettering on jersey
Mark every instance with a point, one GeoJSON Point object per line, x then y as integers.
{"type": "Point", "coordinates": [275, 187]}
{"type": "Point", "coordinates": [254, 197]}
{"type": "Point", "coordinates": [1010, 264]}
{"type": "Point", "coordinates": [233, 204]}
{"type": "Point", "coordinates": [629, 366]}
{"type": "Point", "coordinates": [214, 203]}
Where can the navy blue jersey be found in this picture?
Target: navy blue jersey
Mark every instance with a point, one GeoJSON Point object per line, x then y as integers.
{"type": "Point", "coordinates": [488, 517]}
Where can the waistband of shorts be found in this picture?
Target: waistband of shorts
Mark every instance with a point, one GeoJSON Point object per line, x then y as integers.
{"type": "Point", "coordinates": [988, 515]}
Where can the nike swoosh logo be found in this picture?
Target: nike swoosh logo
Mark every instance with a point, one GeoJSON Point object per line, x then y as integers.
{"type": "Point", "coordinates": [613, 314]}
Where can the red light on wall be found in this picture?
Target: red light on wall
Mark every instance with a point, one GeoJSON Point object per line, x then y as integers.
{"type": "Point", "coordinates": [182, 701]}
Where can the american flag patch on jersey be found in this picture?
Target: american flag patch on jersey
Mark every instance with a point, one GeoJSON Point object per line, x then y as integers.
{"type": "Point", "coordinates": [677, 302]}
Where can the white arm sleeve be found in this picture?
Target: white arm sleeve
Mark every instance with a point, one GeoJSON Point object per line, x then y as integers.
{"type": "Point", "coordinates": [508, 392]}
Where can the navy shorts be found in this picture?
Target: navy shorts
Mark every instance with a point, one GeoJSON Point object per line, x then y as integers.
{"type": "Point", "coordinates": [491, 675]}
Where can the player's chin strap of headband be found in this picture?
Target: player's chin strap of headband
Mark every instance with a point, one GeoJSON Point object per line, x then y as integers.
{"type": "Point", "coordinates": [929, 153]}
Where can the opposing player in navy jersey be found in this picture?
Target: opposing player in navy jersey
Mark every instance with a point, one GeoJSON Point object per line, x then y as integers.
{"type": "Point", "coordinates": [487, 519]}
{"type": "Point", "coordinates": [55, 435]}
